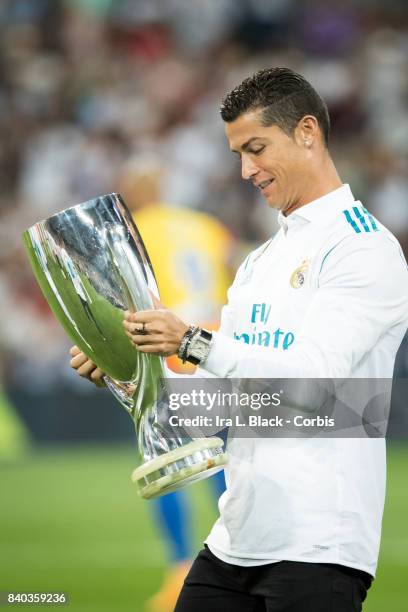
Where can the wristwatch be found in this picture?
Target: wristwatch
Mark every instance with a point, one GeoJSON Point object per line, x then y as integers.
{"type": "Point", "coordinates": [195, 345]}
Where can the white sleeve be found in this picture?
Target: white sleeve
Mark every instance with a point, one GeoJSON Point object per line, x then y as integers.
{"type": "Point", "coordinates": [362, 293]}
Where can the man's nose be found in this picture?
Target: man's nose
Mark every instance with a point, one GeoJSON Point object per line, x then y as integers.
{"type": "Point", "coordinates": [248, 168]}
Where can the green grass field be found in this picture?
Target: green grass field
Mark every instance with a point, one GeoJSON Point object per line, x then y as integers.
{"type": "Point", "coordinates": [70, 520]}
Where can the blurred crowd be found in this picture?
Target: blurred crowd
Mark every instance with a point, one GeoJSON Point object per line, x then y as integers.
{"type": "Point", "coordinates": [87, 85]}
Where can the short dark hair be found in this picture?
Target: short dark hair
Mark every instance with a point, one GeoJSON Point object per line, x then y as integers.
{"type": "Point", "coordinates": [283, 95]}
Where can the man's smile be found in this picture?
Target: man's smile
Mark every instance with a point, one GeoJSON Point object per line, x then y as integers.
{"type": "Point", "coordinates": [264, 184]}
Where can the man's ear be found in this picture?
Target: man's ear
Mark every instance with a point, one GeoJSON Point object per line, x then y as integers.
{"type": "Point", "coordinates": [307, 131]}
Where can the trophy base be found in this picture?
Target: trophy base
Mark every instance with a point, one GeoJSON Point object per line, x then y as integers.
{"type": "Point", "coordinates": [180, 467]}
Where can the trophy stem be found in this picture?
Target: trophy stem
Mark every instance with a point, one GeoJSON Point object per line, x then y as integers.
{"type": "Point", "coordinates": [123, 393]}
{"type": "Point", "coordinates": [173, 457]}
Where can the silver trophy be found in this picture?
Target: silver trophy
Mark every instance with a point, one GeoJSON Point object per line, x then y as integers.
{"type": "Point", "coordinates": [91, 264]}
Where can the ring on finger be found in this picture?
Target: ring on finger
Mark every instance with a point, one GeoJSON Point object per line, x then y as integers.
{"type": "Point", "coordinates": [141, 330]}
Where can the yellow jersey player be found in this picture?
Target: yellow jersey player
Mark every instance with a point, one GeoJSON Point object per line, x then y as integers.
{"type": "Point", "coordinates": [189, 251]}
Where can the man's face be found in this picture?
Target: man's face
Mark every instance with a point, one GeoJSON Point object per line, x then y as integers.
{"type": "Point", "coordinates": [276, 163]}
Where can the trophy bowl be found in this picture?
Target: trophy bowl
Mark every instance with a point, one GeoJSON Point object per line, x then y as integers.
{"type": "Point", "coordinates": [91, 265]}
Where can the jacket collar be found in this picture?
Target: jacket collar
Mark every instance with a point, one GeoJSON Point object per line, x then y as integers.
{"type": "Point", "coordinates": [320, 209]}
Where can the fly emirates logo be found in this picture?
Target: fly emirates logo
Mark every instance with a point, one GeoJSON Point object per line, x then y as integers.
{"type": "Point", "coordinates": [268, 336]}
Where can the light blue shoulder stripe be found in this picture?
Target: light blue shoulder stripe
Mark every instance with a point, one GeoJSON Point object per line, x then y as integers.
{"type": "Point", "coordinates": [350, 220]}
{"type": "Point", "coordinates": [361, 218]}
{"type": "Point", "coordinates": [371, 219]}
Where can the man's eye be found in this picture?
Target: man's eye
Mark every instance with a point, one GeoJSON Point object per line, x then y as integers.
{"type": "Point", "coordinates": [257, 151]}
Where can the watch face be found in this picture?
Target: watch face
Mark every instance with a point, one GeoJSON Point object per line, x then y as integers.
{"type": "Point", "coordinates": [200, 346]}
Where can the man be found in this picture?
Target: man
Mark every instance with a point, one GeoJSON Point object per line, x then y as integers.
{"type": "Point", "coordinates": [300, 521]}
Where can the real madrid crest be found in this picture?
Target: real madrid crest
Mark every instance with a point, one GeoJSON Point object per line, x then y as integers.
{"type": "Point", "coordinates": [297, 280]}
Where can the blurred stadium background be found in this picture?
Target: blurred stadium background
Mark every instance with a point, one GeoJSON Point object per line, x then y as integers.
{"type": "Point", "coordinates": [84, 86]}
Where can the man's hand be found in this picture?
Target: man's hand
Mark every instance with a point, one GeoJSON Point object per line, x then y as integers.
{"type": "Point", "coordinates": [85, 367]}
{"type": "Point", "coordinates": [155, 331]}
